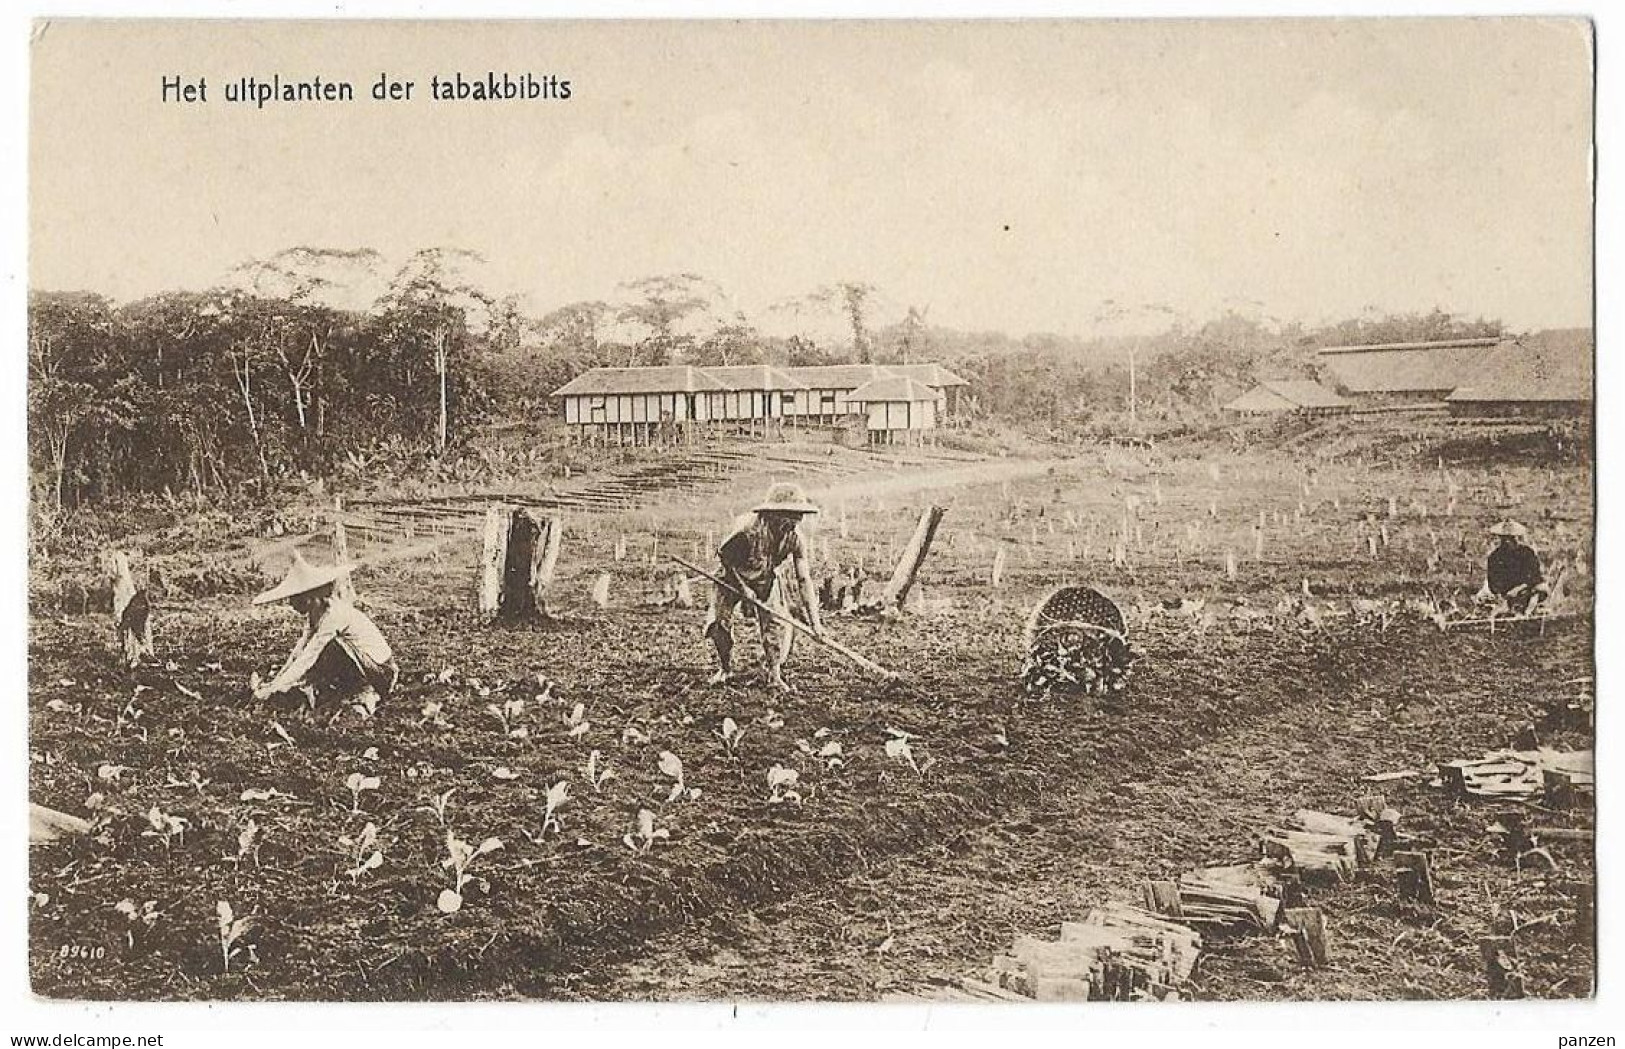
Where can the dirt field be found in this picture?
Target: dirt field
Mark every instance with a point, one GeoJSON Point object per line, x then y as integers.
{"type": "Point", "coordinates": [1294, 667]}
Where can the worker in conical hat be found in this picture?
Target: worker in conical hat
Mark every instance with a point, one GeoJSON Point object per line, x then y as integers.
{"type": "Point", "coordinates": [341, 654]}
{"type": "Point", "coordinates": [751, 554]}
{"type": "Point", "coordinates": [1513, 572]}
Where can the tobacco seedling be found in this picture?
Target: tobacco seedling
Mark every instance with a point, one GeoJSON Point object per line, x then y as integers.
{"type": "Point", "coordinates": [363, 859]}
{"type": "Point", "coordinates": [557, 795]}
{"type": "Point", "coordinates": [433, 714]}
{"type": "Point", "coordinates": [366, 704]}
{"type": "Point", "coordinates": [782, 783]}
{"type": "Point", "coordinates": [269, 794]}
{"type": "Point", "coordinates": [359, 784]}
{"type": "Point", "coordinates": [576, 720]}
{"type": "Point", "coordinates": [248, 843]}
{"type": "Point", "coordinates": [831, 753]}
{"type": "Point", "coordinates": [646, 834]}
{"type": "Point", "coordinates": [438, 805]}
{"type": "Point", "coordinates": [111, 773]}
{"type": "Point", "coordinates": [772, 719]}
{"type": "Point", "coordinates": [504, 772]}
{"type": "Point", "coordinates": [596, 776]}
{"type": "Point", "coordinates": [508, 713]}
{"type": "Point", "coordinates": [462, 857]}
{"type": "Point", "coordinates": [163, 825]}
{"type": "Point", "coordinates": [140, 919]}
{"type": "Point", "coordinates": [195, 781]}
{"type": "Point", "coordinates": [730, 734]}
{"type": "Point", "coordinates": [672, 766]}
{"type": "Point", "coordinates": [898, 748]}
{"type": "Point", "coordinates": [631, 734]}
{"type": "Point", "coordinates": [231, 930]}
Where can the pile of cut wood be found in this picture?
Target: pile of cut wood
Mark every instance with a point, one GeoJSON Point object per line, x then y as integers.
{"type": "Point", "coordinates": [1115, 953]}
{"type": "Point", "coordinates": [1562, 778]}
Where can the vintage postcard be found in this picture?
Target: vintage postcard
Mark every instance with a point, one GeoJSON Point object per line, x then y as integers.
{"type": "Point", "coordinates": [886, 512]}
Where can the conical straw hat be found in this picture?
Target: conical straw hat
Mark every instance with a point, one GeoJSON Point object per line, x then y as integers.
{"type": "Point", "coordinates": [785, 498]}
{"type": "Point", "coordinates": [302, 577]}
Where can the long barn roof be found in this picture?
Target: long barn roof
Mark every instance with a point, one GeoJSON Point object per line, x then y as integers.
{"type": "Point", "coordinates": [1551, 365]}
{"type": "Point", "coordinates": [1410, 367]}
{"type": "Point", "coordinates": [677, 378]}
{"type": "Point", "coordinates": [755, 377]}
{"type": "Point", "coordinates": [894, 388]}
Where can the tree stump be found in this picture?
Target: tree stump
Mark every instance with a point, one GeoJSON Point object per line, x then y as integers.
{"type": "Point", "coordinates": [1415, 876]}
{"type": "Point", "coordinates": [1308, 931]}
{"type": "Point", "coordinates": [516, 566]}
{"type": "Point", "coordinates": [132, 611]}
{"type": "Point", "coordinates": [1501, 967]}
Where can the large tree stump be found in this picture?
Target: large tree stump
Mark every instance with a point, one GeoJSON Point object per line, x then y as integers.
{"type": "Point", "coordinates": [520, 552]}
{"type": "Point", "coordinates": [132, 611]}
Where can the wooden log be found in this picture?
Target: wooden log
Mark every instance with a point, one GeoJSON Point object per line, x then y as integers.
{"type": "Point", "coordinates": [1162, 897]}
{"type": "Point", "coordinates": [1415, 876]}
{"type": "Point", "coordinates": [600, 590]}
{"type": "Point", "coordinates": [908, 565]}
{"type": "Point", "coordinates": [1307, 927]}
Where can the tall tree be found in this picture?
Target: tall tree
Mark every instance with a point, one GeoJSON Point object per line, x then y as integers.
{"type": "Point", "coordinates": [435, 295]}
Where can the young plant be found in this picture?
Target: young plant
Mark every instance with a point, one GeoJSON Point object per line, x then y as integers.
{"type": "Point", "coordinates": [364, 856]}
{"type": "Point", "coordinates": [672, 766]}
{"type": "Point", "coordinates": [248, 843]}
{"type": "Point", "coordinates": [577, 721]}
{"type": "Point", "coordinates": [898, 748]}
{"type": "Point", "coordinates": [557, 795]}
{"type": "Point", "coordinates": [366, 703]}
{"type": "Point", "coordinates": [730, 734]}
{"type": "Point", "coordinates": [632, 734]}
{"type": "Point", "coordinates": [141, 919]}
{"type": "Point", "coordinates": [195, 781]}
{"type": "Point", "coordinates": [830, 753]}
{"type": "Point", "coordinates": [434, 714]}
{"type": "Point", "coordinates": [438, 805]}
{"type": "Point", "coordinates": [508, 713]}
{"type": "Point", "coordinates": [170, 828]}
{"type": "Point", "coordinates": [462, 856]}
{"type": "Point", "coordinates": [231, 930]}
{"type": "Point", "coordinates": [782, 783]}
{"type": "Point", "coordinates": [596, 776]}
{"type": "Point", "coordinates": [644, 837]}
{"type": "Point", "coordinates": [358, 785]}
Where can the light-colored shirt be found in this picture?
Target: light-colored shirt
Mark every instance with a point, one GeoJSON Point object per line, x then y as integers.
{"type": "Point", "coordinates": [340, 621]}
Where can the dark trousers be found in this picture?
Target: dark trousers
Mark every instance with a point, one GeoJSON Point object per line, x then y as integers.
{"type": "Point", "coordinates": [341, 672]}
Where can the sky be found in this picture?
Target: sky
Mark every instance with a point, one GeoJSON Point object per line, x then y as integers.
{"type": "Point", "coordinates": [1069, 177]}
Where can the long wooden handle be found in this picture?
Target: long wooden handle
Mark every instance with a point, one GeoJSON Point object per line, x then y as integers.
{"type": "Point", "coordinates": [793, 622]}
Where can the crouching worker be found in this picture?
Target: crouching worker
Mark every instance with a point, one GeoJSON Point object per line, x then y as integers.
{"type": "Point", "coordinates": [1513, 572]}
{"type": "Point", "coordinates": [341, 655]}
{"type": "Point", "coordinates": [751, 554]}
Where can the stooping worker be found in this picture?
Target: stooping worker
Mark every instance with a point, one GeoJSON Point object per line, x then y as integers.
{"type": "Point", "coordinates": [751, 554]}
{"type": "Point", "coordinates": [1513, 572]}
{"type": "Point", "coordinates": [341, 655]}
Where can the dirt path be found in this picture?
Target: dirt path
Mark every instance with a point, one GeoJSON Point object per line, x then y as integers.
{"type": "Point", "coordinates": [911, 927]}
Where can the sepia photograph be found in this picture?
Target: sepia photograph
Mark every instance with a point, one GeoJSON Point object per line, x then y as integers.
{"type": "Point", "coordinates": [916, 512]}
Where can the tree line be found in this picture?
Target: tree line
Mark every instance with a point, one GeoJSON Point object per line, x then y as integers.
{"type": "Point", "coordinates": [274, 373]}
